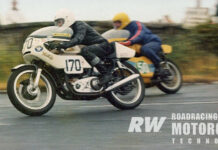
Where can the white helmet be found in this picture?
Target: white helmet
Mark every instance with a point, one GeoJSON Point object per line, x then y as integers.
{"type": "Point", "coordinates": [65, 16]}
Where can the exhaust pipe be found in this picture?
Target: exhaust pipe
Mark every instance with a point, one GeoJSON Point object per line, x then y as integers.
{"type": "Point", "coordinates": [122, 82]}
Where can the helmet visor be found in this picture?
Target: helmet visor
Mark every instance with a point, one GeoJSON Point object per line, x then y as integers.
{"type": "Point", "coordinates": [117, 24]}
{"type": "Point", "coordinates": [59, 22]}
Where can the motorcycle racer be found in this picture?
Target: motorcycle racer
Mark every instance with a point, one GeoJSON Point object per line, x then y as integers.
{"type": "Point", "coordinates": [96, 46]}
{"type": "Point", "coordinates": [139, 34]}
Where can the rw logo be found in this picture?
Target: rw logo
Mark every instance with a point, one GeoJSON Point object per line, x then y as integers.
{"type": "Point", "coordinates": [150, 124]}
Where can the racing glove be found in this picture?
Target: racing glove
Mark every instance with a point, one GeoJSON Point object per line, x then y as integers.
{"type": "Point", "coordinates": [126, 43]}
{"type": "Point", "coordinates": [58, 46]}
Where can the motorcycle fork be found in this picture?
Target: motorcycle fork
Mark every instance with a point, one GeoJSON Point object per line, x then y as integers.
{"type": "Point", "coordinates": [38, 66]}
{"type": "Point", "coordinates": [120, 66]}
{"type": "Point", "coordinates": [38, 74]}
{"type": "Point", "coordinates": [165, 61]}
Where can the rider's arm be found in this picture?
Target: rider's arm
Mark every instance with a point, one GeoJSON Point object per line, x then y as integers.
{"type": "Point", "coordinates": [138, 34]}
{"type": "Point", "coordinates": [79, 29]}
{"type": "Point", "coordinates": [136, 28]}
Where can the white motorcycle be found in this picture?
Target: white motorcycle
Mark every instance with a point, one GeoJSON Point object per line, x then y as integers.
{"type": "Point", "coordinates": [32, 87]}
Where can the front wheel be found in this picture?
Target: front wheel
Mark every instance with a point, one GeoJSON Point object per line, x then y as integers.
{"type": "Point", "coordinates": [33, 101]}
{"type": "Point", "coordinates": [131, 94]}
{"type": "Point", "coordinates": [174, 83]}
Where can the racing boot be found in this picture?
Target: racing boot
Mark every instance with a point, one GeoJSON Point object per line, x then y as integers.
{"type": "Point", "coordinates": [106, 73]}
{"type": "Point", "coordinates": [161, 71]}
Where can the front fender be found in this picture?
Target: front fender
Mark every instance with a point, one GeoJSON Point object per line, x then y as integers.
{"type": "Point", "coordinates": [22, 65]}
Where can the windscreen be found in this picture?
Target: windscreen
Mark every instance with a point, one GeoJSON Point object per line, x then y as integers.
{"type": "Point", "coordinates": [53, 32]}
{"type": "Point", "coordinates": [113, 33]}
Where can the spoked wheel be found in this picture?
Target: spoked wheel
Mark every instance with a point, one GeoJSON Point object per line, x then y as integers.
{"type": "Point", "coordinates": [173, 82]}
{"type": "Point", "coordinates": [30, 100]}
{"type": "Point", "coordinates": [131, 94]}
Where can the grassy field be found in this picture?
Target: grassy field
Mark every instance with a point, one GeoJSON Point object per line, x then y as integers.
{"type": "Point", "coordinates": [197, 65]}
{"type": "Point", "coordinates": [196, 52]}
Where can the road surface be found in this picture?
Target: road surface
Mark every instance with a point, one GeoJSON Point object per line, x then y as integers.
{"type": "Point", "coordinates": [96, 125]}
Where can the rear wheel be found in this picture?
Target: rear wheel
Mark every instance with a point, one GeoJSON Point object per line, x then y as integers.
{"type": "Point", "coordinates": [131, 94]}
{"type": "Point", "coordinates": [174, 81]}
{"type": "Point", "coordinates": [28, 100]}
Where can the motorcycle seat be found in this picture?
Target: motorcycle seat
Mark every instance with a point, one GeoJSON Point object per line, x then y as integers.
{"type": "Point", "coordinates": [166, 49]}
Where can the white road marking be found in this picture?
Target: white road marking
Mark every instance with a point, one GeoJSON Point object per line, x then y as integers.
{"type": "Point", "coordinates": [150, 104]}
{"type": "Point", "coordinates": [3, 105]}
{"type": "Point", "coordinates": [5, 124]}
{"type": "Point", "coordinates": [184, 103]}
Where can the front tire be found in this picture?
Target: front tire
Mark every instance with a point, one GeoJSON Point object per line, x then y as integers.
{"type": "Point", "coordinates": [139, 96]}
{"type": "Point", "coordinates": [32, 105]}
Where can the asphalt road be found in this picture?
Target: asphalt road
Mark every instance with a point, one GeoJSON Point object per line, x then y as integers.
{"type": "Point", "coordinates": [90, 125]}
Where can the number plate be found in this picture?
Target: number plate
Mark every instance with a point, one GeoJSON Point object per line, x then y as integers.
{"type": "Point", "coordinates": [73, 66]}
{"type": "Point", "coordinates": [142, 67]}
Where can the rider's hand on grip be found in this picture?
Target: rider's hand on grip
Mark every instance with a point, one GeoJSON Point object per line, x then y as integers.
{"type": "Point", "coordinates": [126, 43]}
{"type": "Point", "coordinates": [53, 45]}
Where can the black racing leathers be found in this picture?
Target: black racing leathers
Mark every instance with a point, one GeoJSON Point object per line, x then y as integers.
{"type": "Point", "coordinates": [96, 45]}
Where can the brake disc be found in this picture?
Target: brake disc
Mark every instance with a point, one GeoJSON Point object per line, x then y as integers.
{"type": "Point", "coordinates": [26, 91]}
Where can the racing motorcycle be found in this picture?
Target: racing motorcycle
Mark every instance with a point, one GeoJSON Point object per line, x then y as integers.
{"type": "Point", "coordinates": [169, 83]}
{"type": "Point", "coordinates": [32, 87]}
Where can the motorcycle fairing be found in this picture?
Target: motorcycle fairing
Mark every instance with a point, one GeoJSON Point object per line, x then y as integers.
{"type": "Point", "coordinates": [72, 64]}
{"type": "Point", "coordinates": [144, 65]}
{"type": "Point", "coordinates": [123, 51]}
{"type": "Point", "coordinates": [34, 48]}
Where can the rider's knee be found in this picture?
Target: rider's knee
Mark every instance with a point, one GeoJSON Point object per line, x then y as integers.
{"type": "Point", "coordinates": [84, 51]}
{"type": "Point", "coordinates": [145, 51]}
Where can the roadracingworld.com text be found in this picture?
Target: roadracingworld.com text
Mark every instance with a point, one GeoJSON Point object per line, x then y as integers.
{"type": "Point", "coordinates": [186, 128]}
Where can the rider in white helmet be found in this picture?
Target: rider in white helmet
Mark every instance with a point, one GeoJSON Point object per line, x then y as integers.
{"type": "Point", "coordinates": [64, 18]}
{"type": "Point", "coordinates": [96, 46]}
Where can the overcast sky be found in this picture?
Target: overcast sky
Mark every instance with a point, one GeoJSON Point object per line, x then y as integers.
{"type": "Point", "coordinates": [143, 10]}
